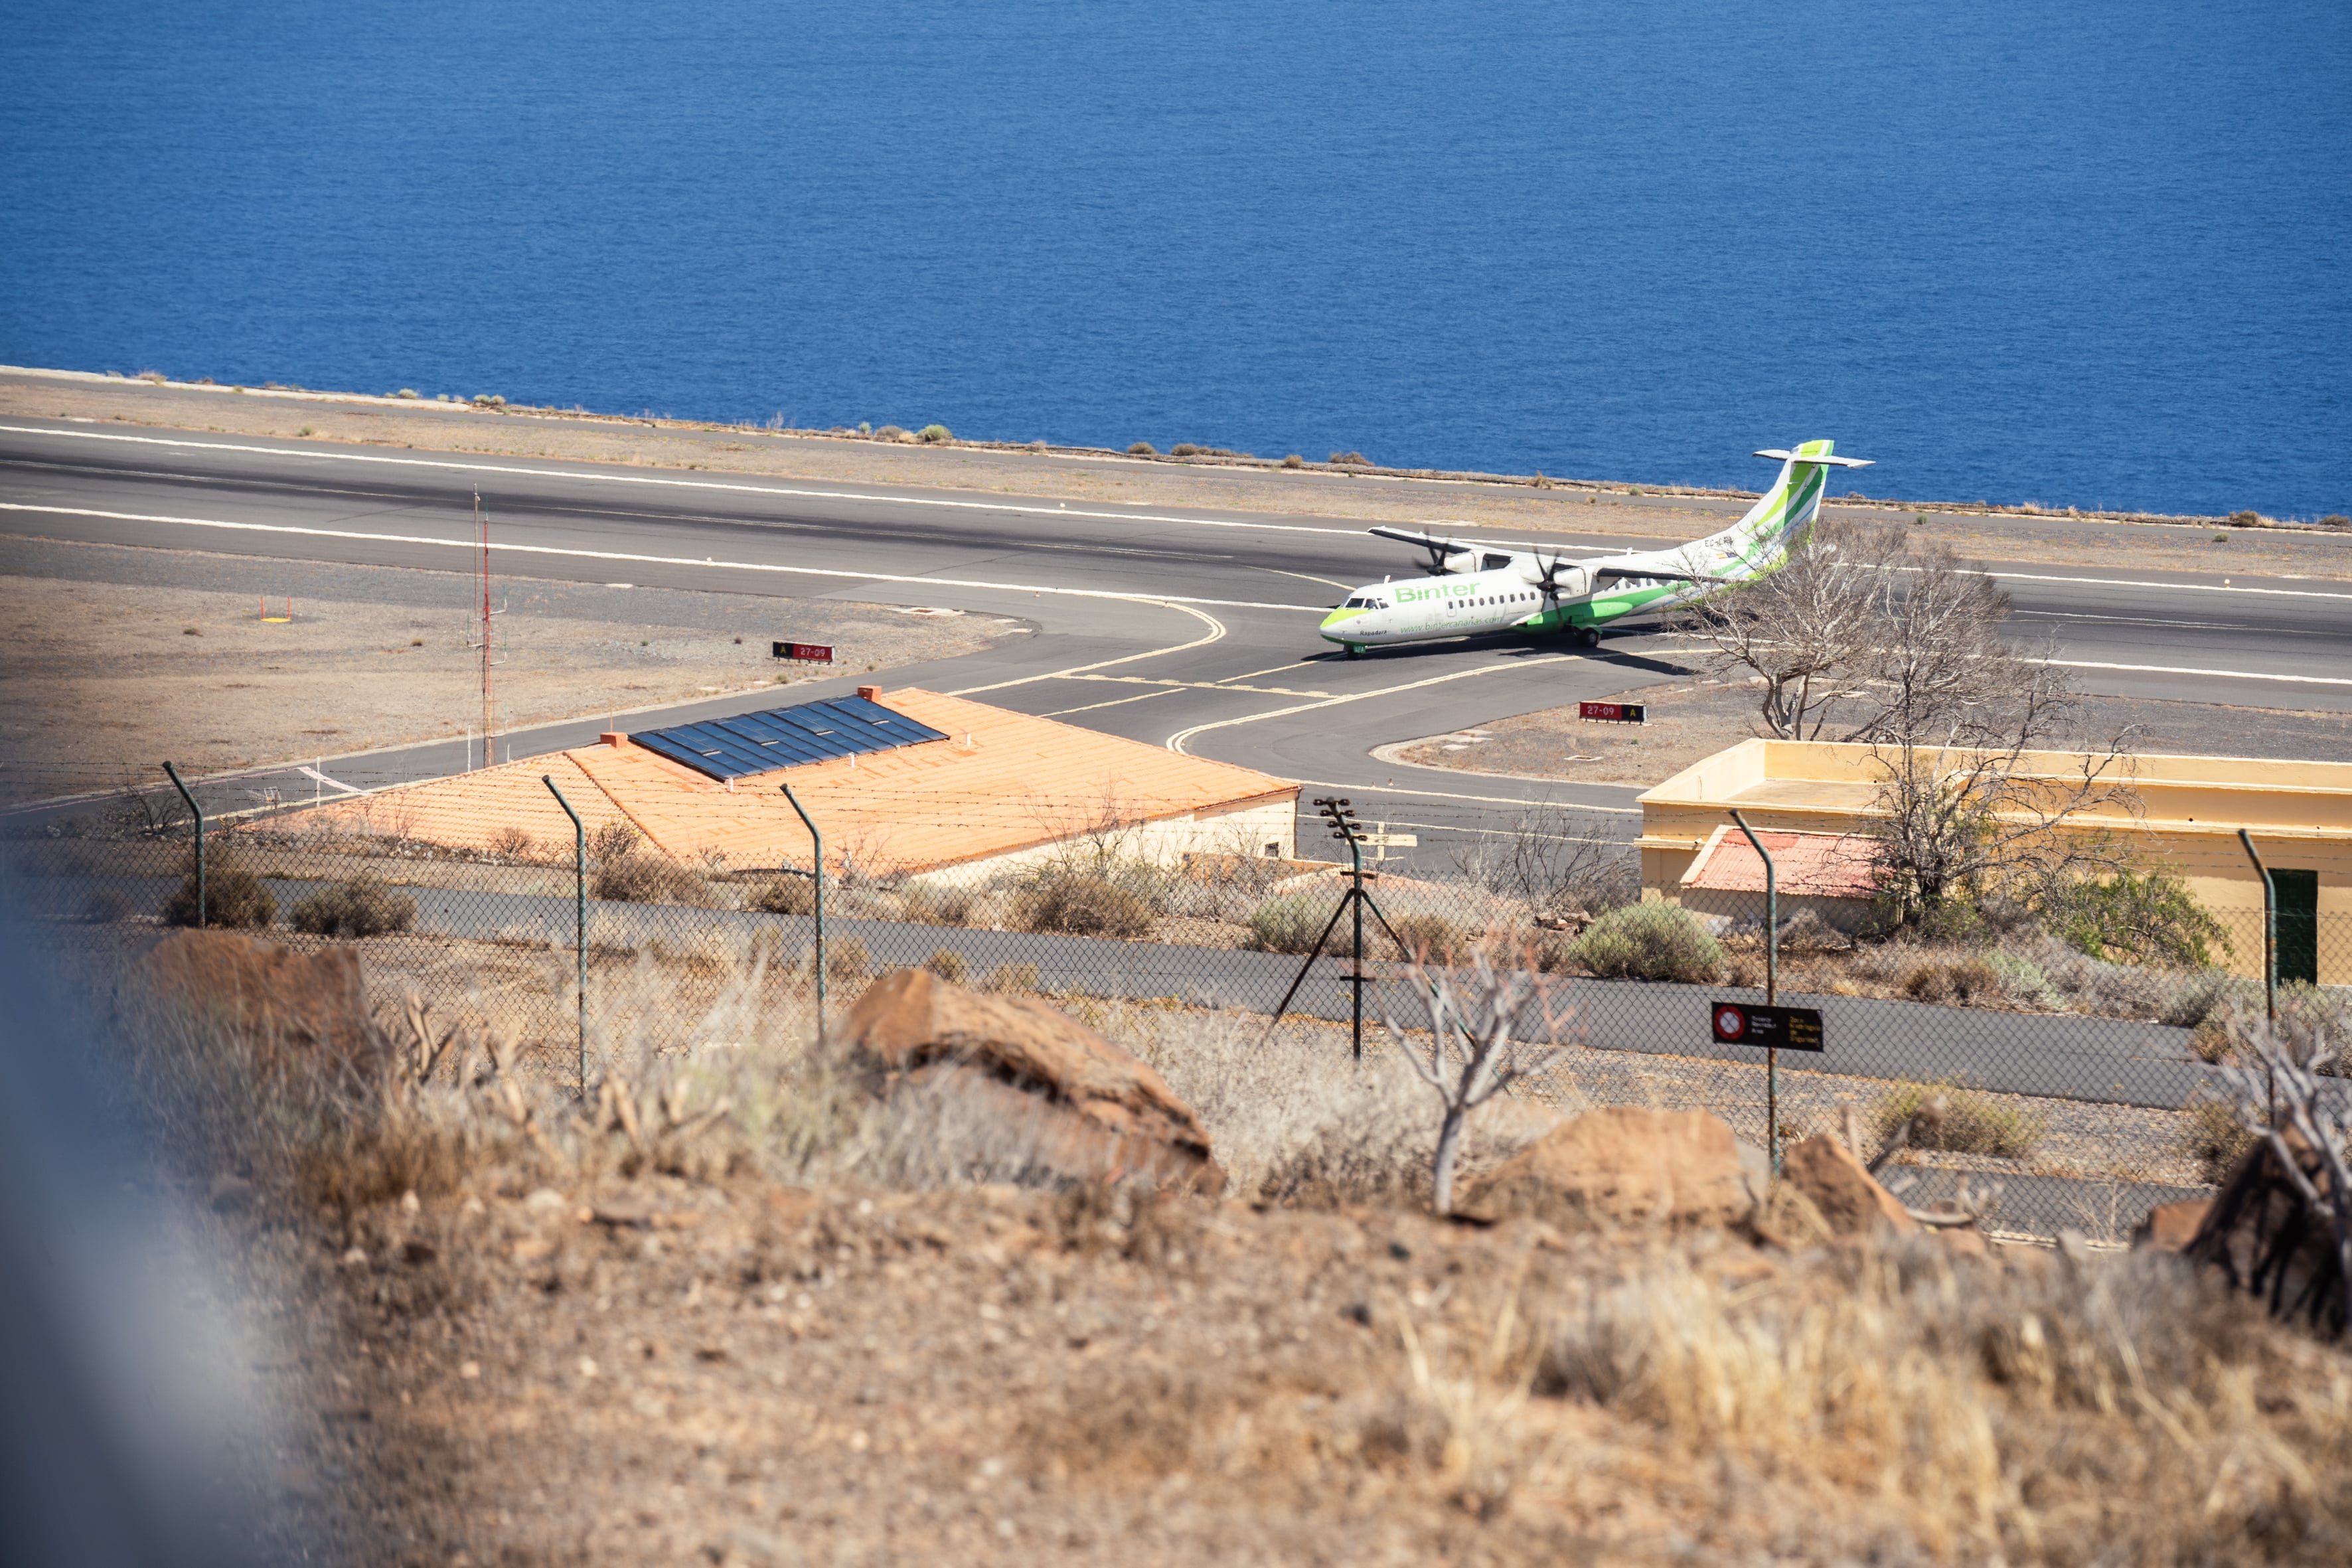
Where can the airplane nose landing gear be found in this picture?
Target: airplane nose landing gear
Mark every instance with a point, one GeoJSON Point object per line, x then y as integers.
{"type": "Point", "coordinates": [1353, 648]}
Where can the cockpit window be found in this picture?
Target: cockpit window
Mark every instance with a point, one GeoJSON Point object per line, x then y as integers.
{"type": "Point", "coordinates": [1356, 603]}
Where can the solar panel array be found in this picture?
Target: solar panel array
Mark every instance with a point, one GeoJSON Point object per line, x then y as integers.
{"type": "Point", "coordinates": [786, 737]}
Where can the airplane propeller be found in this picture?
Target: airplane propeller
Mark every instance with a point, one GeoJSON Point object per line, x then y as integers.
{"type": "Point", "coordinates": [1440, 549]}
{"type": "Point", "coordinates": [1548, 582]}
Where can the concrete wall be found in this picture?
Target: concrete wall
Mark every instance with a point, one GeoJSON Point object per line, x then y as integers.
{"type": "Point", "coordinates": [1244, 829]}
{"type": "Point", "coordinates": [2190, 811]}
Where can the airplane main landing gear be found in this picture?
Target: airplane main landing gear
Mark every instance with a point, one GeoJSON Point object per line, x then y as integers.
{"type": "Point", "coordinates": [1588, 637]}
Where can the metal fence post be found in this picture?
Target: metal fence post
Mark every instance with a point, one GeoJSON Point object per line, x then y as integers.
{"type": "Point", "coordinates": [1771, 990]}
{"type": "Point", "coordinates": [188, 795]}
{"type": "Point", "coordinates": [579, 916]}
{"type": "Point", "coordinates": [2270, 957]}
{"type": "Point", "coordinates": [818, 838]}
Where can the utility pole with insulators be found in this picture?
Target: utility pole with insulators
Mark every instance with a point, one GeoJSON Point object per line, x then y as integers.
{"type": "Point", "coordinates": [489, 724]}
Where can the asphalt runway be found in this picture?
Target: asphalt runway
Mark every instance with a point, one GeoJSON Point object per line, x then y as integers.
{"type": "Point", "coordinates": [1191, 628]}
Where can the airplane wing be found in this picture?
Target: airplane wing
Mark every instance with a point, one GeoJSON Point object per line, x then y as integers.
{"type": "Point", "coordinates": [1422, 541]}
{"type": "Point", "coordinates": [1649, 574]}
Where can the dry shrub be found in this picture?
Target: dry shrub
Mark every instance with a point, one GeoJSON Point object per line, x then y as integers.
{"type": "Point", "coordinates": [1809, 932]}
{"type": "Point", "coordinates": [244, 1090]}
{"type": "Point", "coordinates": [1652, 940]}
{"type": "Point", "coordinates": [2125, 1411]}
{"type": "Point", "coordinates": [512, 844]}
{"type": "Point", "coordinates": [948, 964]}
{"type": "Point", "coordinates": [1290, 923]}
{"type": "Point", "coordinates": [623, 869]}
{"type": "Point", "coordinates": [1010, 979]}
{"type": "Point", "coordinates": [1431, 939]}
{"type": "Point", "coordinates": [1965, 981]}
{"type": "Point", "coordinates": [1081, 904]}
{"type": "Point", "coordinates": [1972, 1122]}
{"type": "Point", "coordinates": [785, 895]}
{"type": "Point", "coordinates": [1294, 1120]}
{"type": "Point", "coordinates": [937, 904]}
{"type": "Point", "coordinates": [846, 960]}
{"type": "Point", "coordinates": [2213, 1139]}
{"type": "Point", "coordinates": [232, 897]}
{"type": "Point", "coordinates": [358, 908]}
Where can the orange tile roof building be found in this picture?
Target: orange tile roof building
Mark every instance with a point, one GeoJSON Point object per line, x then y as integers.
{"type": "Point", "coordinates": [1831, 874]}
{"type": "Point", "coordinates": [1002, 790]}
{"type": "Point", "coordinates": [2180, 813]}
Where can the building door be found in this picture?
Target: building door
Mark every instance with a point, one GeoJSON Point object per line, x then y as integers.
{"type": "Point", "coordinates": [2298, 925]}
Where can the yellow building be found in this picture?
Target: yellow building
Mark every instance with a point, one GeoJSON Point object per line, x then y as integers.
{"type": "Point", "coordinates": [2184, 813]}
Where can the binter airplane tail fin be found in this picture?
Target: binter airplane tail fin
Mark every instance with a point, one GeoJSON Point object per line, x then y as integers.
{"type": "Point", "coordinates": [1785, 512]}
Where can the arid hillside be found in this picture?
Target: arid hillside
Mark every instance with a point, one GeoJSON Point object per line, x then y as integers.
{"type": "Point", "coordinates": [898, 1298]}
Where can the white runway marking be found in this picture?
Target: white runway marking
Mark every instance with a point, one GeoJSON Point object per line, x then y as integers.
{"type": "Point", "coordinates": [1176, 742]}
{"type": "Point", "coordinates": [2183, 587]}
{"type": "Point", "coordinates": [2174, 670]}
{"type": "Point", "coordinates": [661, 560]}
{"type": "Point", "coordinates": [1216, 631]}
{"type": "Point", "coordinates": [593, 477]}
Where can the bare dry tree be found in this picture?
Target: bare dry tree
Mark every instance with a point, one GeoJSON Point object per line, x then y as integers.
{"type": "Point", "coordinates": [1552, 862]}
{"type": "Point", "coordinates": [1472, 1022]}
{"type": "Point", "coordinates": [1808, 632]}
{"type": "Point", "coordinates": [143, 810]}
{"type": "Point", "coordinates": [1963, 822]}
{"type": "Point", "coordinates": [2282, 1090]}
{"type": "Point", "coordinates": [1866, 635]}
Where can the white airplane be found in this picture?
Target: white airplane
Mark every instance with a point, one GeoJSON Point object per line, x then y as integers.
{"type": "Point", "coordinates": [1468, 588]}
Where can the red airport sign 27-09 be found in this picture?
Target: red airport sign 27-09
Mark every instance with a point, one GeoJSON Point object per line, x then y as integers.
{"type": "Point", "coordinates": [1612, 712]}
{"type": "Point", "coordinates": [1752, 1023]}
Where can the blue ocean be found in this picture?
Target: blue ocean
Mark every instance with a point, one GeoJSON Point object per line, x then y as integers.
{"type": "Point", "coordinates": [2096, 254]}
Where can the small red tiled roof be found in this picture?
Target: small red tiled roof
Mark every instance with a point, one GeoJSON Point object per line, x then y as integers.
{"type": "Point", "coordinates": [1805, 865]}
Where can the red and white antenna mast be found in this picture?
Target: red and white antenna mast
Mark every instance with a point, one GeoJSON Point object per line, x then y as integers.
{"type": "Point", "coordinates": [489, 718]}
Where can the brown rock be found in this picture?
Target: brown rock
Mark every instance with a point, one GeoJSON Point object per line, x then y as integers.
{"type": "Point", "coordinates": [1848, 1196]}
{"type": "Point", "coordinates": [2170, 1227]}
{"type": "Point", "coordinates": [1090, 1110]}
{"type": "Point", "coordinates": [282, 1000]}
{"type": "Point", "coordinates": [2269, 1241]}
{"type": "Point", "coordinates": [1624, 1165]}
{"type": "Point", "coordinates": [1787, 1219]}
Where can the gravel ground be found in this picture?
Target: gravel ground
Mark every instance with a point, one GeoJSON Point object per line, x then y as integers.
{"type": "Point", "coordinates": [1507, 508]}
{"type": "Point", "coordinates": [119, 657]}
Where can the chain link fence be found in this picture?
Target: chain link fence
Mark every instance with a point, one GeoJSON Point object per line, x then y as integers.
{"type": "Point", "coordinates": [2075, 1088]}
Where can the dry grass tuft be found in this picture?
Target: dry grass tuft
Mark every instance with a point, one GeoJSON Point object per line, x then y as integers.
{"type": "Point", "coordinates": [232, 897]}
{"type": "Point", "coordinates": [622, 869]}
{"type": "Point", "coordinates": [1971, 1121]}
{"type": "Point", "coordinates": [360, 907]}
